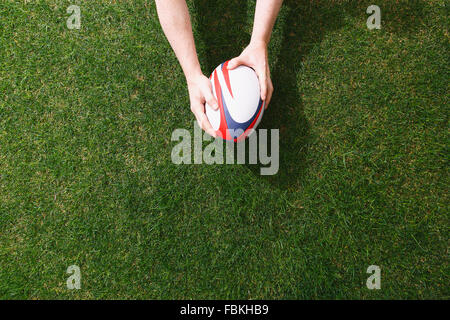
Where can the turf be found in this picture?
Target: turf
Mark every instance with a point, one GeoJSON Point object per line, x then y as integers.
{"type": "Point", "coordinates": [86, 176]}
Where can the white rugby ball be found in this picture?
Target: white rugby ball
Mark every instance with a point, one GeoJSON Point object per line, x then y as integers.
{"type": "Point", "coordinates": [240, 106]}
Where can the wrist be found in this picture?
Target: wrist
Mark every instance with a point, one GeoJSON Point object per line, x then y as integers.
{"type": "Point", "coordinates": [193, 77]}
{"type": "Point", "coordinates": [191, 70]}
{"type": "Point", "coordinates": [258, 42]}
{"type": "Point", "coordinates": [193, 74]}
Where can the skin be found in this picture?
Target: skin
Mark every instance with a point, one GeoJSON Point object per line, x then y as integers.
{"type": "Point", "coordinates": [176, 24]}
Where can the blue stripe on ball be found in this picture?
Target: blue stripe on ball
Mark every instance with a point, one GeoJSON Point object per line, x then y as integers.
{"type": "Point", "coordinates": [234, 125]}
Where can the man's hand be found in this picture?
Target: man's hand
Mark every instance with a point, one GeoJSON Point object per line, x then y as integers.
{"type": "Point", "coordinates": [255, 56]}
{"type": "Point", "coordinates": [176, 23]}
{"type": "Point", "coordinates": [200, 91]}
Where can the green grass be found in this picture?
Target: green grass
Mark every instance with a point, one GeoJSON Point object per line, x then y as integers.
{"type": "Point", "coordinates": [86, 176]}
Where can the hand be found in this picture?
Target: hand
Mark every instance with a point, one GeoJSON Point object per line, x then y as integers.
{"type": "Point", "coordinates": [256, 57]}
{"type": "Point", "coordinates": [200, 91]}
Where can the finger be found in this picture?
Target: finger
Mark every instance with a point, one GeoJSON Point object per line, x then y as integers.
{"type": "Point", "coordinates": [234, 63]}
{"type": "Point", "coordinates": [210, 99]}
{"type": "Point", "coordinates": [270, 87]}
{"type": "Point", "coordinates": [203, 122]}
{"type": "Point", "coordinates": [269, 93]}
{"type": "Point", "coordinates": [263, 84]}
{"type": "Point", "coordinates": [207, 126]}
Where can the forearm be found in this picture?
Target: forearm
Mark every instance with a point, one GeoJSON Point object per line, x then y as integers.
{"type": "Point", "coordinates": [265, 15]}
{"type": "Point", "coordinates": [176, 24]}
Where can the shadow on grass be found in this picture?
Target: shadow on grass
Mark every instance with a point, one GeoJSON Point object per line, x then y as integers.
{"type": "Point", "coordinates": [221, 27]}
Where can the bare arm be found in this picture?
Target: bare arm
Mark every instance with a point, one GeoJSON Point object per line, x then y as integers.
{"type": "Point", "coordinates": [255, 55]}
{"type": "Point", "coordinates": [265, 15]}
{"type": "Point", "coordinates": [176, 24]}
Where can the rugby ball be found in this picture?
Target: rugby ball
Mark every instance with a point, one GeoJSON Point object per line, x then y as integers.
{"type": "Point", "coordinates": [240, 106]}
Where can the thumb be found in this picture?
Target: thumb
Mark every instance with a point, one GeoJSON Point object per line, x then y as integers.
{"type": "Point", "coordinates": [211, 100]}
{"type": "Point", "coordinates": [234, 63]}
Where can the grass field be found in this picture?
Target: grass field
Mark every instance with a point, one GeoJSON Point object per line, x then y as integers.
{"type": "Point", "coordinates": [86, 176]}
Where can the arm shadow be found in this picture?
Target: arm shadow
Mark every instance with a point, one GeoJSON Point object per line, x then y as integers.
{"type": "Point", "coordinates": [224, 29]}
